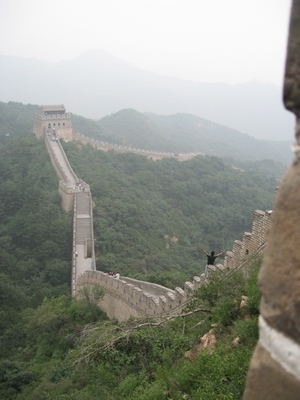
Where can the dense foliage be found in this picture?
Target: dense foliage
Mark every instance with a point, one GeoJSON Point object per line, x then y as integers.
{"type": "Point", "coordinates": [54, 355]}
{"type": "Point", "coordinates": [16, 119]}
{"type": "Point", "coordinates": [35, 244]}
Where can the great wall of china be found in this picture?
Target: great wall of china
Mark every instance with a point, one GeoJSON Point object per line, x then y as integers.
{"type": "Point", "coordinates": [124, 297]}
{"type": "Point", "coordinates": [274, 372]}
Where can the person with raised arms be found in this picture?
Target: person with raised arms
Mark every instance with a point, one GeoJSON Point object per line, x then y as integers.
{"type": "Point", "coordinates": [210, 258]}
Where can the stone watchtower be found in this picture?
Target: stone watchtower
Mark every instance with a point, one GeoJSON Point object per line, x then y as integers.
{"type": "Point", "coordinates": [53, 119]}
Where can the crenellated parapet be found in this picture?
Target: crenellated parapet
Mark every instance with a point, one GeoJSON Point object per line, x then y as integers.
{"type": "Point", "coordinates": [251, 242]}
{"type": "Point", "coordinates": [155, 155]}
{"type": "Point", "coordinates": [129, 297]}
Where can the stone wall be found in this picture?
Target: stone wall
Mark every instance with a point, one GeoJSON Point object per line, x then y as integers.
{"type": "Point", "coordinates": [274, 372]}
{"type": "Point", "coordinates": [130, 297]}
{"type": "Point", "coordinates": [154, 155]}
{"type": "Point", "coordinates": [139, 298]}
{"type": "Point", "coordinates": [66, 191]}
{"type": "Point", "coordinates": [251, 242]}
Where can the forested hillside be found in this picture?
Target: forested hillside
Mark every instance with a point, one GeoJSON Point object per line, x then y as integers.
{"type": "Point", "coordinates": [16, 119]}
{"type": "Point", "coordinates": [150, 219]}
{"type": "Point", "coordinates": [181, 133]}
{"type": "Point", "coordinates": [35, 233]}
{"type": "Point", "coordinates": [219, 140]}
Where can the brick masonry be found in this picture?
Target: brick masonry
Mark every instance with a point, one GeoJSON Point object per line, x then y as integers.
{"type": "Point", "coordinates": [274, 372]}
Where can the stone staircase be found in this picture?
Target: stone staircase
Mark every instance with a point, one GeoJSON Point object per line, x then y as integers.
{"type": "Point", "coordinates": [83, 218]}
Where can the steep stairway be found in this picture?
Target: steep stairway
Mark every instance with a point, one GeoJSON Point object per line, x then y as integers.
{"type": "Point", "coordinates": [83, 233]}
{"type": "Point", "coordinates": [83, 218]}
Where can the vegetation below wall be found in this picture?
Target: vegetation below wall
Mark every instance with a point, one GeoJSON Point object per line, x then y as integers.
{"type": "Point", "coordinates": [53, 354]}
{"type": "Point", "coordinates": [35, 234]}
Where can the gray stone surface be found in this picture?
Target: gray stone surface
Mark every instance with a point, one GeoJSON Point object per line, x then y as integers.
{"type": "Point", "coordinates": [274, 369]}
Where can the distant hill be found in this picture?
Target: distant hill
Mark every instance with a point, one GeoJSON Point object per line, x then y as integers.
{"type": "Point", "coordinates": [174, 133]}
{"type": "Point", "coordinates": [97, 84]}
{"type": "Point", "coordinates": [181, 133]}
{"type": "Point", "coordinates": [131, 127]}
{"type": "Point", "coordinates": [16, 119]}
{"type": "Point", "coordinates": [210, 138]}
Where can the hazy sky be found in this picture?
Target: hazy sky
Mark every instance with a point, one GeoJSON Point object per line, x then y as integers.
{"type": "Point", "coordinates": [229, 41]}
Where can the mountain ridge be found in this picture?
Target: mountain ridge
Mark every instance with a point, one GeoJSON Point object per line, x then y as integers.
{"type": "Point", "coordinates": [177, 133]}
{"type": "Point", "coordinates": [97, 84]}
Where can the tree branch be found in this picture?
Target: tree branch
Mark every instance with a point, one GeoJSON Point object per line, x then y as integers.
{"type": "Point", "coordinates": [106, 337]}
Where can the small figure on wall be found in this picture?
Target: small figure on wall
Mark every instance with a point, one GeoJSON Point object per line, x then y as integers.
{"type": "Point", "coordinates": [210, 258]}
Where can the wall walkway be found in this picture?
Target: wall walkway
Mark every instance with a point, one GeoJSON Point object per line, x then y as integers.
{"type": "Point", "coordinates": [75, 196]}
{"type": "Point", "coordinates": [127, 297]}
{"type": "Point", "coordinates": [154, 155]}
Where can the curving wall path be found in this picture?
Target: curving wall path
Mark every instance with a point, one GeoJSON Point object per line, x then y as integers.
{"type": "Point", "coordinates": [127, 297]}
{"type": "Point", "coordinates": [154, 155]}
{"type": "Point", "coordinates": [75, 196]}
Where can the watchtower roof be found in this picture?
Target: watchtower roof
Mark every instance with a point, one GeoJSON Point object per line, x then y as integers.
{"type": "Point", "coordinates": [53, 108]}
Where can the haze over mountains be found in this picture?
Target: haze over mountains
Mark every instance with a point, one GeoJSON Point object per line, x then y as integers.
{"type": "Point", "coordinates": [182, 133]}
{"type": "Point", "coordinates": [97, 84]}
{"type": "Point", "coordinates": [178, 133]}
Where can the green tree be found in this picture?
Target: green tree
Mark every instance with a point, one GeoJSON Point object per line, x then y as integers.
{"type": "Point", "coordinates": [92, 295]}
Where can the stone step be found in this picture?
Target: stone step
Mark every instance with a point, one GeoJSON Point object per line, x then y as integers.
{"type": "Point", "coordinates": [82, 203]}
{"type": "Point", "coordinates": [83, 229]}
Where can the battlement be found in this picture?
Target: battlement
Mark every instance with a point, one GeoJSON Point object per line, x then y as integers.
{"type": "Point", "coordinates": [155, 155]}
{"type": "Point", "coordinates": [251, 242]}
{"type": "Point", "coordinates": [129, 297]}
{"type": "Point", "coordinates": [49, 117]}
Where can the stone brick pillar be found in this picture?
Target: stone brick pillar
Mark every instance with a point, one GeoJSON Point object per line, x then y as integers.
{"type": "Point", "coordinates": [246, 243]}
{"type": "Point", "coordinates": [274, 372]}
{"type": "Point", "coordinates": [237, 253]}
{"type": "Point", "coordinates": [257, 239]}
{"type": "Point", "coordinates": [228, 261]}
